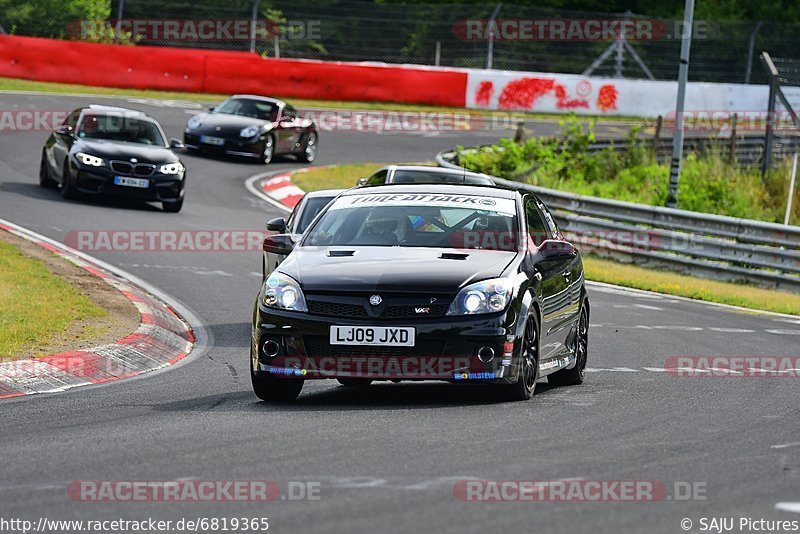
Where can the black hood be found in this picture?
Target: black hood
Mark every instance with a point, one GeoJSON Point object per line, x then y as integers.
{"type": "Point", "coordinates": [402, 269]}
{"type": "Point", "coordinates": [229, 125]}
{"type": "Point", "coordinates": [108, 149]}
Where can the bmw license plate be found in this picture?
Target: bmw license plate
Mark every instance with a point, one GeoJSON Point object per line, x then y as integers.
{"type": "Point", "coordinates": [142, 183]}
{"type": "Point", "coordinates": [372, 335]}
{"type": "Point", "coordinates": [209, 140]}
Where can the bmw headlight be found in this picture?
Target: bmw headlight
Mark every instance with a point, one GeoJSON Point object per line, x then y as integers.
{"type": "Point", "coordinates": [172, 168]}
{"type": "Point", "coordinates": [250, 131]}
{"type": "Point", "coordinates": [88, 159]}
{"type": "Point", "coordinates": [489, 296]}
{"type": "Point", "coordinates": [194, 122]}
{"type": "Point", "coordinates": [283, 292]}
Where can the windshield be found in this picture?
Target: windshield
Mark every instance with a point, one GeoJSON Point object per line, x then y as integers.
{"type": "Point", "coordinates": [432, 177]}
{"type": "Point", "coordinates": [118, 127]}
{"type": "Point", "coordinates": [418, 220]}
{"type": "Point", "coordinates": [312, 209]}
{"type": "Point", "coordinates": [247, 107]}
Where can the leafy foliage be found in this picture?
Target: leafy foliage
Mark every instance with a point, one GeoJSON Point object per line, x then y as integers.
{"type": "Point", "coordinates": [709, 183]}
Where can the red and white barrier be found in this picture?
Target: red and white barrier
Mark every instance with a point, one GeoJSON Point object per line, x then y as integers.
{"type": "Point", "coordinates": [210, 71]}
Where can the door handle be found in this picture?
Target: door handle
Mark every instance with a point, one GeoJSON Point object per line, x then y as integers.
{"type": "Point", "coordinates": [567, 276]}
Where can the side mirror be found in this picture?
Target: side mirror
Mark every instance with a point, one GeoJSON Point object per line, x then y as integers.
{"type": "Point", "coordinates": [65, 130]}
{"type": "Point", "coordinates": [176, 144]}
{"type": "Point", "coordinates": [551, 249]}
{"type": "Point", "coordinates": [279, 244]}
{"type": "Point", "coordinates": [277, 225]}
{"type": "Point", "coordinates": [361, 182]}
{"type": "Point", "coordinates": [212, 108]}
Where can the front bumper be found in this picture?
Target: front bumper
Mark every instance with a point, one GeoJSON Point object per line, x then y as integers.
{"type": "Point", "coordinates": [232, 146]}
{"type": "Point", "coordinates": [99, 181]}
{"type": "Point", "coordinates": [446, 348]}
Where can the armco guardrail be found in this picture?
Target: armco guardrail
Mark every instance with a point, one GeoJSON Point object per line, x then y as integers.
{"type": "Point", "coordinates": [707, 245]}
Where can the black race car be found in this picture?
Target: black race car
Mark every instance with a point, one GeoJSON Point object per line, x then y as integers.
{"type": "Point", "coordinates": [420, 282]}
{"type": "Point", "coordinates": [255, 127]}
{"type": "Point", "coordinates": [111, 150]}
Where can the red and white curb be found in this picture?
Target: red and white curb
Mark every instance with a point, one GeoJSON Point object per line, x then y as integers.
{"type": "Point", "coordinates": [281, 188]}
{"type": "Point", "coordinates": [162, 338]}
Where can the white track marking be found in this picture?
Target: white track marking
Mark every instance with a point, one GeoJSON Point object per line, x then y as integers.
{"type": "Point", "coordinates": [786, 445]}
{"type": "Point", "coordinates": [788, 507]}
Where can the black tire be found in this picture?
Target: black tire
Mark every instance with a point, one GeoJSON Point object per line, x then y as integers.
{"type": "Point", "coordinates": [273, 389]}
{"type": "Point", "coordinates": [576, 375]}
{"type": "Point", "coordinates": [268, 152]}
{"type": "Point", "coordinates": [355, 382]}
{"type": "Point", "coordinates": [68, 189]}
{"type": "Point", "coordinates": [525, 385]}
{"type": "Point", "coordinates": [309, 153]}
{"type": "Point", "coordinates": [172, 207]}
{"type": "Point", "coordinates": [45, 180]}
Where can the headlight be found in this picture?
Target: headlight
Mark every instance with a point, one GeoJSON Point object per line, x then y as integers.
{"type": "Point", "coordinates": [88, 159]}
{"type": "Point", "coordinates": [172, 168]}
{"type": "Point", "coordinates": [194, 122]}
{"type": "Point", "coordinates": [284, 293]}
{"type": "Point", "coordinates": [250, 131]}
{"type": "Point", "coordinates": [488, 296]}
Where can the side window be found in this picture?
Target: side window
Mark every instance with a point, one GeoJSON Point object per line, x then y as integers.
{"type": "Point", "coordinates": [379, 178]}
{"type": "Point", "coordinates": [72, 119]}
{"type": "Point", "coordinates": [289, 113]}
{"type": "Point", "coordinates": [537, 229]}
{"type": "Point", "coordinates": [551, 222]}
{"type": "Point", "coordinates": [291, 220]}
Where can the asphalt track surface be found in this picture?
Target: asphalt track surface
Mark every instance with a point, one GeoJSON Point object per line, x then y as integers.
{"type": "Point", "coordinates": [387, 457]}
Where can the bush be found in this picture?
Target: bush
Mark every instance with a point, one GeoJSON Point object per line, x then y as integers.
{"type": "Point", "coordinates": [709, 183]}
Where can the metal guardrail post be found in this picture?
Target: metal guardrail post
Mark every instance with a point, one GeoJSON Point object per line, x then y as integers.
{"type": "Point", "coordinates": [791, 191]}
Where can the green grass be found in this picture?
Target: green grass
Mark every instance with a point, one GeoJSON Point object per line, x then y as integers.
{"type": "Point", "coordinates": [334, 177]}
{"type": "Point", "coordinates": [15, 84]}
{"type": "Point", "coordinates": [600, 270]}
{"type": "Point", "coordinates": [35, 305]}
{"type": "Point", "coordinates": [681, 285]}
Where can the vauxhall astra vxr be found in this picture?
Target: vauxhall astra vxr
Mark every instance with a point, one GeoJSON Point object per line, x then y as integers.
{"type": "Point", "coordinates": [460, 283]}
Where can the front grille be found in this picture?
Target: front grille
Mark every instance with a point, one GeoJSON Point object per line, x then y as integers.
{"type": "Point", "coordinates": [139, 169]}
{"type": "Point", "coordinates": [394, 306]}
{"type": "Point", "coordinates": [336, 309]}
{"type": "Point", "coordinates": [400, 312]}
{"type": "Point", "coordinates": [320, 347]}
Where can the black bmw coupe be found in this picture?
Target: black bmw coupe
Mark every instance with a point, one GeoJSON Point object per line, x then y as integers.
{"type": "Point", "coordinates": [116, 151]}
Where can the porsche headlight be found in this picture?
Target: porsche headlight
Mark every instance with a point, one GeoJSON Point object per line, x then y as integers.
{"type": "Point", "coordinates": [88, 159]}
{"type": "Point", "coordinates": [250, 131]}
{"type": "Point", "coordinates": [172, 168]}
{"type": "Point", "coordinates": [283, 292]}
{"type": "Point", "coordinates": [194, 122]}
{"type": "Point", "coordinates": [489, 296]}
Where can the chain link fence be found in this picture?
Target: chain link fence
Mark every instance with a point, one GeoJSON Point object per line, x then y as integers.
{"type": "Point", "coordinates": [523, 38]}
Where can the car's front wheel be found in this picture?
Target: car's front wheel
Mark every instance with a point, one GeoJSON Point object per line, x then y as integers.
{"type": "Point", "coordinates": [272, 388]}
{"type": "Point", "coordinates": [172, 207]}
{"type": "Point", "coordinates": [309, 153]}
{"type": "Point", "coordinates": [45, 180]}
{"type": "Point", "coordinates": [269, 149]}
{"type": "Point", "coordinates": [354, 382]}
{"type": "Point", "coordinates": [576, 375]}
{"type": "Point", "coordinates": [528, 372]}
{"type": "Point", "coordinates": [68, 189]}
